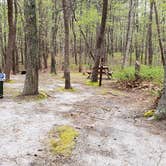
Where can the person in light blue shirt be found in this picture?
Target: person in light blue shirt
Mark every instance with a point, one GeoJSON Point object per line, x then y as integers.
{"type": "Point", "coordinates": [2, 76]}
{"type": "Point", "coordinates": [2, 79]}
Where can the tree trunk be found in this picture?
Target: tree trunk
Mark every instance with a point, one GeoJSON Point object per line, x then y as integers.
{"type": "Point", "coordinates": [44, 55]}
{"type": "Point", "coordinates": [66, 15]}
{"type": "Point", "coordinates": [129, 33]}
{"type": "Point", "coordinates": [54, 38]}
{"type": "Point", "coordinates": [15, 51]}
{"type": "Point", "coordinates": [159, 34]}
{"type": "Point", "coordinates": [99, 42]}
{"type": "Point", "coordinates": [40, 33]}
{"type": "Point", "coordinates": [1, 44]}
{"type": "Point", "coordinates": [137, 50]}
{"type": "Point", "coordinates": [8, 62]}
{"type": "Point", "coordinates": [112, 41]}
{"type": "Point", "coordinates": [161, 110]}
{"type": "Point", "coordinates": [149, 34]}
{"type": "Point", "coordinates": [31, 80]}
{"type": "Point", "coordinates": [75, 42]}
{"type": "Point", "coordinates": [111, 31]}
{"type": "Point", "coordinates": [80, 56]}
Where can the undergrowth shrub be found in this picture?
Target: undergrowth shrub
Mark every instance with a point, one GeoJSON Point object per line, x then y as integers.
{"type": "Point", "coordinates": [154, 74]}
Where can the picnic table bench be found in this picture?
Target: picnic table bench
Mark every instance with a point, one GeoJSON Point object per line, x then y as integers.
{"type": "Point", "coordinates": [105, 70]}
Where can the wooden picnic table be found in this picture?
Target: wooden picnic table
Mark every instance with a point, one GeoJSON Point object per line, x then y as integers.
{"type": "Point", "coordinates": [105, 70]}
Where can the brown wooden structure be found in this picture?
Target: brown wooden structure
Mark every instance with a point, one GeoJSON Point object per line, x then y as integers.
{"type": "Point", "coordinates": [102, 70]}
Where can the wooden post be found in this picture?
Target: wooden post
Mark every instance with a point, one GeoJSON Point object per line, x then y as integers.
{"type": "Point", "coordinates": [101, 71]}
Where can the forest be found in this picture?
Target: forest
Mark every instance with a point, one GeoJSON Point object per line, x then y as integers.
{"type": "Point", "coordinates": [82, 82]}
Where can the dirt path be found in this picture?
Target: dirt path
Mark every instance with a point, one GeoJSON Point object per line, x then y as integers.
{"type": "Point", "coordinates": [111, 131]}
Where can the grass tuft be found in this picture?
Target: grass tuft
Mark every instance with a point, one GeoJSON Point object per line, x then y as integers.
{"type": "Point", "coordinates": [65, 141]}
{"type": "Point", "coordinates": [42, 95]}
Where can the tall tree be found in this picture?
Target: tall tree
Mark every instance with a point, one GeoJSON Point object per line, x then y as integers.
{"type": "Point", "coordinates": [129, 33]}
{"type": "Point", "coordinates": [149, 34]}
{"type": "Point", "coordinates": [99, 42]}
{"type": "Point", "coordinates": [54, 36]}
{"type": "Point", "coordinates": [2, 49]}
{"type": "Point", "coordinates": [137, 48]}
{"type": "Point", "coordinates": [159, 33]}
{"type": "Point", "coordinates": [15, 66]}
{"type": "Point", "coordinates": [8, 61]}
{"type": "Point", "coordinates": [31, 80]}
{"type": "Point", "coordinates": [161, 110]}
{"type": "Point", "coordinates": [75, 41]}
{"type": "Point", "coordinates": [66, 15]}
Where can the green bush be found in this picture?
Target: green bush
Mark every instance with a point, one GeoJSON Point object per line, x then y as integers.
{"type": "Point", "coordinates": [125, 74]}
{"type": "Point", "coordinates": [154, 74]}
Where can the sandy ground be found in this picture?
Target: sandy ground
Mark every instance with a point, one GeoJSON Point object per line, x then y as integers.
{"type": "Point", "coordinates": [112, 130]}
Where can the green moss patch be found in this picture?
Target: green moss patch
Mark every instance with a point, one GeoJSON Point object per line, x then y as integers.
{"type": "Point", "coordinates": [62, 140]}
{"type": "Point", "coordinates": [149, 113]}
{"type": "Point", "coordinates": [90, 83]}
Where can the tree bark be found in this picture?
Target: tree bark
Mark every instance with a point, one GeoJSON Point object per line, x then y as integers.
{"type": "Point", "coordinates": [66, 15]}
{"type": "Point", "coordinates": [137, 49]}
{"type": "Point", "coordinates": [75, 42]}
{"type": "Point", "coordinates": [161, 110]}
{"type": "Point", "coordinates": [54, 37]}
{"type": "Point", "coordinates": [1, 44]}
{"type": "Point", "coordinates": [31, 80]}
{"type": "Point", "coordinates": [129, 33]}
{"type": "Point", "coordinates": [159, 34]}
{"type": "Point", "coordinates": [149, 34]}
{"type": "Point", "coordinates": [99, 42]}
{"type": "Point", "coordinates": [8, 62]}
{"type": "Point", "coordinates": [15, 51]}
